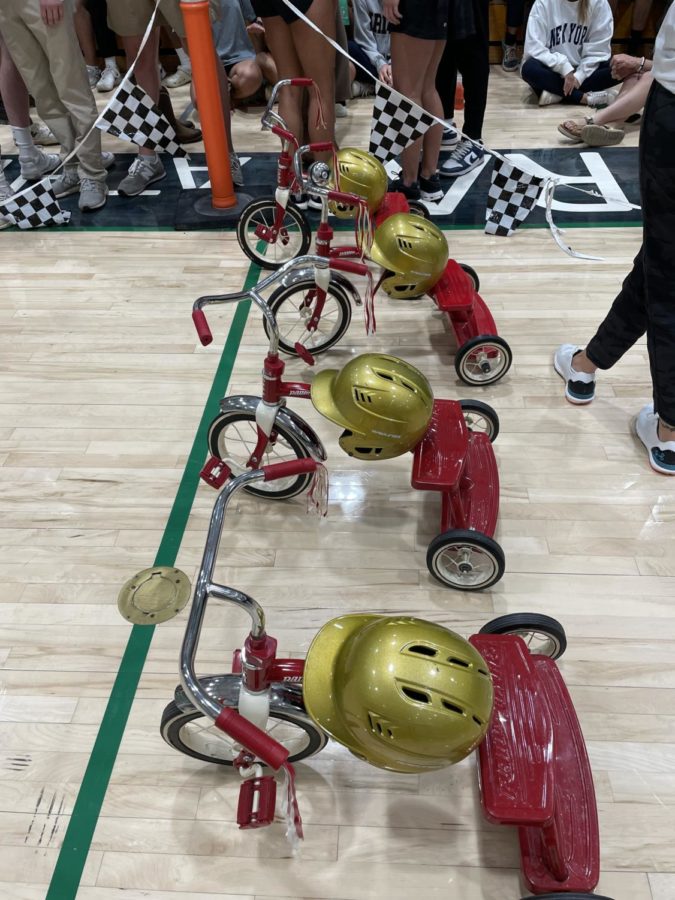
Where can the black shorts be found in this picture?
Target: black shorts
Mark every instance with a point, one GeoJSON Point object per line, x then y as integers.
{"type": "Point", "coordinates": [268, 8]}
{"type": "Point", "coordinates": [426, 19]}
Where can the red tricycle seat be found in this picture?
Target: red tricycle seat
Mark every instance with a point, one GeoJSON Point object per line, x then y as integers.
{"type": "Point", "coordinates": [534, 769]}
{"type": "Point", "coordinates": [453, 460]}
{"type": "Point", "coordinates": [454, 290]}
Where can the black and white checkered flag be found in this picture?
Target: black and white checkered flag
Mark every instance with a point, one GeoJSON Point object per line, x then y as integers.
{"type": "Point", "coordinates": [132, 116]}
{"type": "Point", "coordinates": [397, 122]}
{"type": "Point", "coordinates": [512, 195]}
{"type": "Point", "coordinates": [34, 206]}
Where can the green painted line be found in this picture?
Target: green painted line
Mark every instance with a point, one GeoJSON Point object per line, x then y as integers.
{"type": "Point", "coordinates": [77, 841]}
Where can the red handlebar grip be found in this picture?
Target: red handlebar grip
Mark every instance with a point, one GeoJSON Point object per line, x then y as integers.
{"type": "Point", "coordinates": [286, 469]}
{"type": "Point", "coordinates": [349, 265]}
{"type": "Point", "coordinates": [202, 326]}
{"type": "Point", "coordinates": [253, 738]}
{"type": "Point", "coordinates": [302, 82]}
{"type": "Point", "coordinates": [321, 147]}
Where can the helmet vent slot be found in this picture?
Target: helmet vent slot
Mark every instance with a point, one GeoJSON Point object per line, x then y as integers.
{"type": "Point", "coordinates": [483, 672]}
{"type": "Point", "coordinates": [384, 375]}
{"type": "Point", "coordinates": [422, 650]}
{"type": "Point", "coordinates": [477, 721]}
{"type": "Point", "coordinates": [403, 244]}
{"type": "Point", "coordinates": [417, 696]}
{"type": "Point", "coordinates": [362, 396]}
{"type": "Point", "coordinates": [454, 661]}
{"type": "Point", "coordinates": [453, 707]}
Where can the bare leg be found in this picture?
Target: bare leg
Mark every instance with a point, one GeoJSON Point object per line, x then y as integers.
{"type": "Point", "coordinates": [267, 66]}
{"type": "Point", "coordinates": [245, 78]}
{"type": "Point", "coordinates": [147, 68]}
{"type": "Point", "coordinates": [641, 10]}
{"type": "Point", "coordinates": [85, 33]}
{"type": "Point", "coordinates": [414, 65]}
{"type": "Point", "coordinates": [317, 59]}
{"type": "Point", "coordinates": [279, 40]}
{"type": "Point", "coordinates": [13, 90]}
{"type": "Point", "coordinates": [431, 142]}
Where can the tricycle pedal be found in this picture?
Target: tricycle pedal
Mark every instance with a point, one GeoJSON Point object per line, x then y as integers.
{"type": "Point", "coordinates": [216, 472]}
{"type": "Point", "coordinates": [257, 801]}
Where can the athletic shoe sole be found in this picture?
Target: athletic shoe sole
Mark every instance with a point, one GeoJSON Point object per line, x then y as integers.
{"type": "Point", "coordinates": [576, 401]}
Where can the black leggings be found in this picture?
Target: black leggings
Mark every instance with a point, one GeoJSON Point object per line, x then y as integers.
{"type": "Point", "coordinates": [646, 302]}
{"type": "Point", "coordinates": [469, 56]}
{"type": "Point", "coordinates": [541, 78]}
{"type": "Point", "coordinates": [106, 40]}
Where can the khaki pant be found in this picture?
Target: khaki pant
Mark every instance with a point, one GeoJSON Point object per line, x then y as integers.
{"type": "Point", "coordinates": [130, 18]}
{"type": "Point", "coordinates": [51, 63]}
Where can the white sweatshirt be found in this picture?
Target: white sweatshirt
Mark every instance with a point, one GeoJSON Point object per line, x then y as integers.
{"type": "Point", "coordinates": [663, 69]}
{"type": "Point", "coordinates": [371, 32]}
{"type": "Point", "coordinates": [558, 39]}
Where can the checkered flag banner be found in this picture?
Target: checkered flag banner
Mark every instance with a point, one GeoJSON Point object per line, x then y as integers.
{"type": "Point", "coordinates": [511, 197]}
{"type": "Point", "coordinates": [132, 116]}
{"type": "Point", "coordinates": [397, 122]}
{"type": "Point", "coordinates": [33, 207]}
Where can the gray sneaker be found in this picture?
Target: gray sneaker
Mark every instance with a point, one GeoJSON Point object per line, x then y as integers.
{"type": "Point", "coordinates": [42, 164]}
{"type": "Point", "coordinates": [108, 159]}
{"type": "Point", "coordinates": [142, 172]}
{"type": "Point", "coordinates": [510, 60]}
{"type": "Point", "coordinates": [68, 182]}
{"type": "Point", "coordinates": [235, 170]}
{"type": "Point", "coordinates": [93, 194]}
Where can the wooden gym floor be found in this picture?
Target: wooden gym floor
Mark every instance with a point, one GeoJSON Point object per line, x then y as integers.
{"type": "Point", "coordinates": [102, 391]}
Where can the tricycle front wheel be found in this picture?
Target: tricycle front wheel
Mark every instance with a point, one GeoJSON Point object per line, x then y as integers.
{"type": "Point", "coordinates": [293, 239]}
{"type": "Point", "coordinates": [542, 634]}
{"type": "Point", "coordinates": [465, 560]}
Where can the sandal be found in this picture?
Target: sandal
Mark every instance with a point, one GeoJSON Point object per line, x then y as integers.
{"type": "Point", "coordinates": [572, 128]}
{"type": "Point", "coordinates": [601, 135]}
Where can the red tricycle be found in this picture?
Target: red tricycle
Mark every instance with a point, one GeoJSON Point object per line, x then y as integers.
{"type": "Point", "coordinates": [273, 230]}
{"type": "Point", "coordinates": [454, 457]}
{"type": "Point", "coordinates": [533, 767]}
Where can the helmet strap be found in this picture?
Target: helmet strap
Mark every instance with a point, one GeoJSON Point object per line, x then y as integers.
{"type": "Point", "coordinates": [291, 810]}
{"type": "Point", "coordinates": [317, 496]}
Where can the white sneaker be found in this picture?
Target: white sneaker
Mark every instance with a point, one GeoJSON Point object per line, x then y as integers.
{"type": "Point", "coordinates": [93, 73]}
{"type": "Point", "coordinates": [341, 111]}
{"type": "Point", "coordinates": [600, 99]}
{"type": "Point", "coordinates": [108, 159]}
{"type": "Point", "coordinates": [180, 77]}
{"type": "Point", "coordinates": [41, 164]}
{"type": "Point", "coordinates": [42, 135]}
{"type": "Point", "coordinates": [579, 386]}
{"type": "Point", "coordinates": [546, 98]}
{"type": "Point", "coordinates": [661, 453]}
{"type": "Point", "coordinates": [110, 78]}
{"type": "Point", "coordinates": [360, 89]}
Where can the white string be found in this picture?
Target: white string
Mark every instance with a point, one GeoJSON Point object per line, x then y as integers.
{"type": "Point", "coordinates": [549, 191]}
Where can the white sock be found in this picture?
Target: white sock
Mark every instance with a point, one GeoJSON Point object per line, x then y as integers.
{"type": "Point", "coordinates": [24, 143]}
{"type": "Point", "coordinates": [111, 62]}
{"type": "Point", "coordinates": [184, 59]}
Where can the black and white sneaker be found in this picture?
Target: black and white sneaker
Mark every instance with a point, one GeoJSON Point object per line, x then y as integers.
{"type": "Point", "coordinates": [430, 188]}
{"type": "Point", "coordinates": [450, 137]}
{"type": "Point", "coordinates": [661, 453]}
{"type": "Point", "coordinates": [300, 200]}
{"type": "Point", "coordinates": [410, 191]}
{"type": "Point", "coordinates": [579, 386]}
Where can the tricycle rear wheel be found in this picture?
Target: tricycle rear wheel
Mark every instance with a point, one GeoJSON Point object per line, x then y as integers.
{"type": "Point", "coordinates": [480, 417]}
{"type": "Point", "coordinates": [483, 360]}
{"type": "Point", "coordinates": [465, 560]}
{"type": "Point", "coordinates": [542, 634]}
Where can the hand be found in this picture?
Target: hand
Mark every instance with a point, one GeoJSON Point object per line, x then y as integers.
{"type": "Point", "coordinates": [570, 83]}
{"type": "Point", "coordinates": [623, 65]}
{"type": "Point", "coordinates": [385, 74]}
{"type": "Point", "coordinates": [255, 28]}
{"type": "Point", "coordinates": [390, 10]}
{"type": "Point", "coordinates": [51, 11]}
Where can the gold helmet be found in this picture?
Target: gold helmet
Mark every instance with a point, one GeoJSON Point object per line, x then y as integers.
{"type": "Point", "coordinates": [359, 173]}
{"type": "Point", "coordinates": [413, 251]}
{"type": "Point", "coordinates": [383, 403]}
{"type": "Point", "coordinates": [402, 693]}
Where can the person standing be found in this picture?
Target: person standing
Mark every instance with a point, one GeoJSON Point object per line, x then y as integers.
{"type": "Point", "coordinates": [418, 34]}
{"type": "Point", "coordinates": [40, 36]}
{"type": "Point", "coordinates": [646, 303]}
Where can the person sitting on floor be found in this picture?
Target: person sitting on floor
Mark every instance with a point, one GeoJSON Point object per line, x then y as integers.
{"type": "Point", "coordinates": [600, 129]}
{"type": "Point", "coordinates": [567, 51]}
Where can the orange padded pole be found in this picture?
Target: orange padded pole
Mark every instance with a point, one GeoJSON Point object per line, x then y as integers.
{"type": "Point", "coordinates": [207, 91]}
